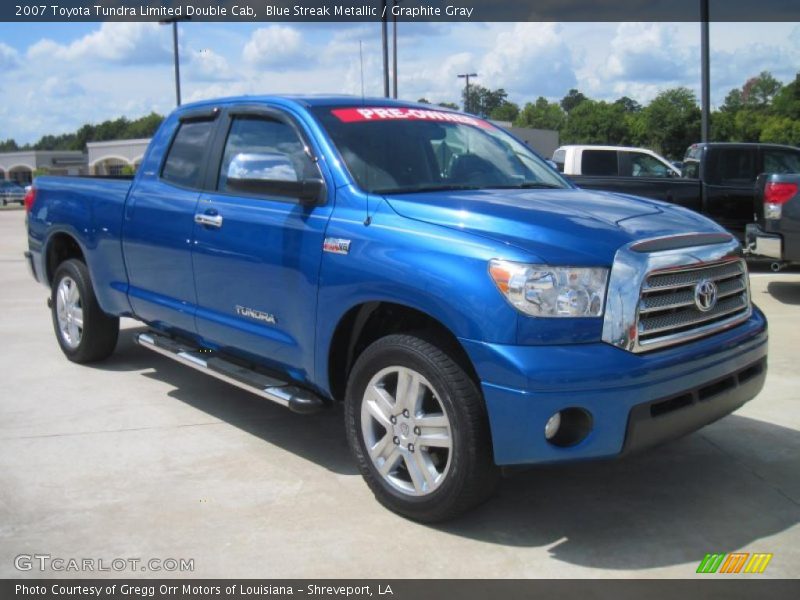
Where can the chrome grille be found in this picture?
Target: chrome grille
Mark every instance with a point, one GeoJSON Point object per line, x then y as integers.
{"type": "Point", "coordinates": [668, 313]}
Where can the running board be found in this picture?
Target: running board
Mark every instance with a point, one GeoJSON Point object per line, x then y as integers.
{"type": "Point", "coordinates": [294, 398]}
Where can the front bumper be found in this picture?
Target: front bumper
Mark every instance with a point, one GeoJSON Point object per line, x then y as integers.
{"type": "Point", "coordinates": [635, 400]}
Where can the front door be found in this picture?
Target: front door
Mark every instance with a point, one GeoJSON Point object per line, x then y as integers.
{"type": "Point", "coordinates": [258, 247]}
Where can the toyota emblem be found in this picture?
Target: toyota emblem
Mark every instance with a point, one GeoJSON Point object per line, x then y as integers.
{"type": "Point", "coordinates": [705, 295]}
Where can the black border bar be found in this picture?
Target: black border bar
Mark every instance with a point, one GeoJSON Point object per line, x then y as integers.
{"type": "Point", "coordinates": [332, 11]}
{"type": "Point", "coordinates": [729, 587]}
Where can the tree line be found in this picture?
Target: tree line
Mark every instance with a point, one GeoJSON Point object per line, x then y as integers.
{"type": "Point", "coordinates": [762, 110]}
{"type": "Point", "coordinates": [116, 129]}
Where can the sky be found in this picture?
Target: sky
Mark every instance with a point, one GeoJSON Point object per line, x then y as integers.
{"type": "Point", "coordinates": [58, 76]}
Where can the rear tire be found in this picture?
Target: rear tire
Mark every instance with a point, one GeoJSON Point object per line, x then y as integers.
{"type": "Point", "coordinates": [84, 332]}
{"type": "Point", "coordinates": [418, 428]}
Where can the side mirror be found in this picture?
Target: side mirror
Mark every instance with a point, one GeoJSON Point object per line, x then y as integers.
{"type": "Point", "coordinates": [261, 167]}
{"type": "Point", "coordinates": [312, 191]}
{"type": "Point", "coordinates": [271, 174]}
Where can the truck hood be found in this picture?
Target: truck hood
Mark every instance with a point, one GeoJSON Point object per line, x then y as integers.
{"type": "Point", "coordinates": [564, 226]}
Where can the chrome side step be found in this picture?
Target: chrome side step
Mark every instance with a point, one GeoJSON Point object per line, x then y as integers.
{"type": "Point", "coordinates": [294, 398]}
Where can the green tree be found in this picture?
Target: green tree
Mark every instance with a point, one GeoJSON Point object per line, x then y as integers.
{"type": "Point", "coordinates": [483, 101]}
{"type": "Point", "coordinates": [508, 111]}
{"type": "Point", "coordinates": [759, 91]}
{"type": "Point", "coordinates": [787, 102]}
{"type": "Point", "coordinates": [672, 121]}
{"type": "Point", "coordinates": [424, 101]}
{"type": "Point", "coordinates": [628, 104]}
{"type": "Point", "coordinates": [593, 122]}
{"type": "Point", "coordinates": [733, 102]}
{"type": "Point", "coordinates": [541, 115]}
{"type": "Point", "coordinates": [8, 145]}
{"type": "Point", "coordinates": [451, 105]}
{"type": "Point", "coordinates": [572, 100]}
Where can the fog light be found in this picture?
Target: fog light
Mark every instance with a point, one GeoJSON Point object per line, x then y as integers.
{"type": "Point", "coordinates": [568, 427]}
{"type": "Point", "coordinates": [551, 428]}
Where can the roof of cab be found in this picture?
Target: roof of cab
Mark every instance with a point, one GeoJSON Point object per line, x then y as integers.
{"type": "Point", "coordinates": [312, 100]}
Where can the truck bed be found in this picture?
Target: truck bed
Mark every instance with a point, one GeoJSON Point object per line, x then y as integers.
{"type": "Point", "coordinates": [91, 209]}
{"type": "Point", "coordinates": [684, 192]}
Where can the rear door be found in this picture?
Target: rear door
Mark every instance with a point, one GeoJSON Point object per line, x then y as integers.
{"type": "Point", "coordinates": [158, 227]}
{"type": "Point", "coordinates": [258, 247]}
{"type": "Point", "coordinates": [730, 176]}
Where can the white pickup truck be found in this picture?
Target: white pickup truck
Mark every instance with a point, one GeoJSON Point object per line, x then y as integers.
{"type": "Point", "coordinates": [612, 161]}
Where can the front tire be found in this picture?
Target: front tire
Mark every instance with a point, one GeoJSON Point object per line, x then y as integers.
{"type": "Point", "coordinates": [417, 426]}
{"type": "Point", "coordinates": [84, 332]}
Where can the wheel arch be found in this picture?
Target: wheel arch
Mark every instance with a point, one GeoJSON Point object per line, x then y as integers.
{"type": "Point", "coordinates": [61, 246]}
{"type": "Point", "coordinates": [369, 321]}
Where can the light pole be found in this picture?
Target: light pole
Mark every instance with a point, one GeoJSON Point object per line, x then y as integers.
{"type": "Point", "coordinates": [705, 79]}
{"type": "Point", "coordinates": [385, 44]}
{"type": "Point", "coordinates": [394, 49]}
{"type": "Point", "coordinates": [466, 77]}
{"type": "Point", "coordinates": [174, 21]}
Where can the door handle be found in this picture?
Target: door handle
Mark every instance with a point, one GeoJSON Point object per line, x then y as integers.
{"type": "Point", "coordinates": [208, 220]}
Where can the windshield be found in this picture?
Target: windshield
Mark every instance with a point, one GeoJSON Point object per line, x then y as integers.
{"type": "Point", "coordinates": [404, 150]}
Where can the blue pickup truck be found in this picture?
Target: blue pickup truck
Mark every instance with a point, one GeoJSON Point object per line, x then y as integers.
{"type": "Point", "coordinates": [470, 307]}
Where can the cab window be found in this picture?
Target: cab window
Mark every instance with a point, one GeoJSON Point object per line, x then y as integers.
{"type": "Point", "coordinates": [183, 165]}
{"type": "Point", "coordinates": [260, 149]}
{"type": "Point", "coordinates": [599, 162]}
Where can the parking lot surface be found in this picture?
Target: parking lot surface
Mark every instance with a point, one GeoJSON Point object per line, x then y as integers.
{"type": "Point", "coordinates": [140, 457]}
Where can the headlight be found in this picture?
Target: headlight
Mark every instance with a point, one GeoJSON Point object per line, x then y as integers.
{"type": "Point", "coordinates": [544, 291]}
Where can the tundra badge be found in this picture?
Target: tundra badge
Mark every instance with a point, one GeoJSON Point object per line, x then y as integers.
{"type": "Point", "coordinates": [255, 314]}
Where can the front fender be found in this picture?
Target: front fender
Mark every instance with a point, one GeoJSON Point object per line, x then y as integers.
{"type": "Point", "coordinates": [437, 271]}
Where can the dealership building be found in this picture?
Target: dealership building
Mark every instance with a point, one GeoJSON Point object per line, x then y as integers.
{"type": "Point", "coordinates": [112, 158]}
{"type": "Point", "coordinates": [20, 166]}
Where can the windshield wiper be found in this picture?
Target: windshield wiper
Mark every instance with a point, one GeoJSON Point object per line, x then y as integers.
{"type": "Point", "coordinates": [429, 188]}
{"type": "Point", "coordinates": [530, 185]}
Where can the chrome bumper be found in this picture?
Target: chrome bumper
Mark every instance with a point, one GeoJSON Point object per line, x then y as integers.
{"type": "Point", "coordinates": [759, 243]}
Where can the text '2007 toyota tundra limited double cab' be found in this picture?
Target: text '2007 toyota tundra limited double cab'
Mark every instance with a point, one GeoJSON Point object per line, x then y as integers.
{"type": "Point", "coordinates": [470, 307]}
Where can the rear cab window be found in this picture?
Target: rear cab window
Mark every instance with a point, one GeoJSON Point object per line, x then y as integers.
{"type": "Point", "coordinates": [781, 161]}
{"type": "Point", "coordinates": [184, 163]}
{"type": "Point", "coordinates": [731, 166]}
{"type": "Point", "coordinates": [599, 162]}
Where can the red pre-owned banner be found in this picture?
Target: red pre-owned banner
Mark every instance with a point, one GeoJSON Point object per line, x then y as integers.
{"type": "Point", "coordinates": [388, 113]}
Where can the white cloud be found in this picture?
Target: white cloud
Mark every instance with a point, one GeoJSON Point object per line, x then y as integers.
{"type": "Point", "coordinates": [121, 43]}
{"type": "Point", "coordinates": [9, 57]}
{"type": "Point", "coordinates": [530, 59]}
{"type": "Point", "coordinates": [207, 65]}
{"type": "Point", "coordinates": [277, 47]}
{"type": "Point", "coordinates": [56, 85]}
{"type": "Point", "coordinates": [648, 52]}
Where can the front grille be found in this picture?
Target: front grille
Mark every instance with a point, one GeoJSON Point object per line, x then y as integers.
{"type": "Point", "coordinates": [668, 313]}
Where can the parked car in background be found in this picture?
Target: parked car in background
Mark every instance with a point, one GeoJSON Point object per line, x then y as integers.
{"type": "Point", "coordinates": [776, 232]}
{"type": "Point", "coordinates": [11, 191]}
{"type": "Point", "coordinates": [719, 180]}
{"type": "Point", "coordinates": [469, 306]}
{"type": "Point", "coordinates": [612, 161]}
